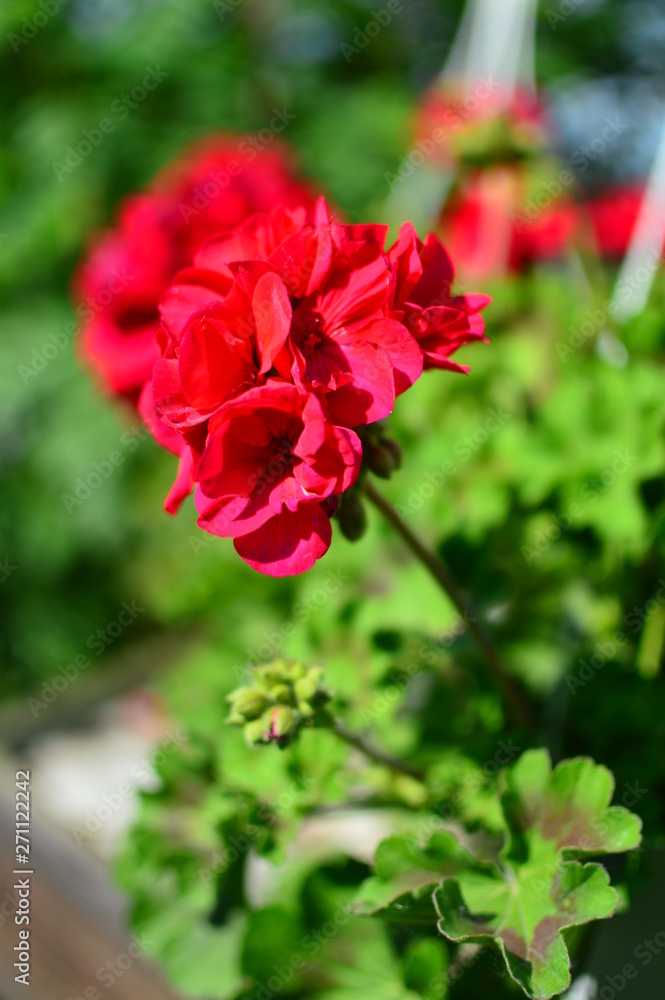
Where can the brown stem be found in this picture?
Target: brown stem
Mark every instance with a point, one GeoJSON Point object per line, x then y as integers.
{"type": "Point", "coordinates": [354, 740]}
{"type": "Point", "coordinates": [509, 689]}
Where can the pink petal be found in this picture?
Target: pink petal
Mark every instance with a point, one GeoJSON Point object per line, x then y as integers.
{"type": "Point", "coordinates": [287, 544]}
{"type": "Point", "coordinates": [370, 395]}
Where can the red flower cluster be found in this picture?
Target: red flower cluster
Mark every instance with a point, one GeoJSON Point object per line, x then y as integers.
{"type": "Point", "coordinates": [488, 138]}
{"type": "Point", "coordinates": [211, 189]}
{"type": "Point", "coordinates": [488, 231]}
{"type": "Point", "coordinates": [612, 216]}
{"type": "Point", "coordinates": [287, 333]}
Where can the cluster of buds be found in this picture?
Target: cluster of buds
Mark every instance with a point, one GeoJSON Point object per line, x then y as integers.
{"type": "Point", "coordinates": [283, 697]}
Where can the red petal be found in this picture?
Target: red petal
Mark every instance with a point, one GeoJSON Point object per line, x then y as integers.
{"type": "Point", "coordinates": [356, 288]}
{"type": "Point", "coordinates": [215, 364]}
{"type": "Point", "coordinates": [371, 394]}
{"type": "Point", "coordinates": [183, 484]}
{"type": "Point", "coordinates": [162, 433]}
{"type": "Point", "coordinates": [287, 544]}
{"type": "Point", "coordinates": [273, 314]}
{"type": "Point", "coordinates": [331, 466]}
{"type": "Point", "coordinates": [304, 260]}
{"type": "Point", "coordinates": [405, 355]}
{"type": "Point", "coordinates": [192, 290]}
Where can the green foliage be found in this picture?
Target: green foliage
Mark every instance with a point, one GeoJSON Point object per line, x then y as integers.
{"type": "Point", "coordinates": [523, 889]}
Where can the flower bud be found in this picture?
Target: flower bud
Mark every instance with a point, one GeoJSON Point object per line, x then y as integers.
{"type": "Point", "coordinates": [282, 694]}
{"type": "Point", "coordinates": [284, 721]}
{"type": "Point", "coordinates": [248, 703]}
{"type": "Point", "coordinates": [395, 450]}
{"type": "Point", "coordinates": [285, 696]}
{"type": "Point", "coordinates": [380, 459]}
{"type": "Point", "coordinates": [351, 516]}
{"type": "Point", "coordinates": [305, 688]}
{"type": "Point", "coordinates": [254, 731]}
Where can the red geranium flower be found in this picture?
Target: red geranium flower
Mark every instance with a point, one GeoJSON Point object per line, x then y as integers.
{"type": "Point", "coordinates": [305, 299]}
{"type": "Point", "coordinates": [423, 274]}
{"type": "Point", "coordinates": [285, 334]}
{"type": "Point", "coordinates": [211, 189]}
{"type": "Point", "coordinates": [271, 458]}
{"type": "Point", "coordinates": [613, 215]}
{"type": "Point", "coordinates": [488, 231]}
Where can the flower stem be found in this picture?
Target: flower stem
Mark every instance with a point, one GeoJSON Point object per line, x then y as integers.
{"type": "Point", "coordinates": [510, 691]}
{"type": "Point", "coordinates": [357, 741]}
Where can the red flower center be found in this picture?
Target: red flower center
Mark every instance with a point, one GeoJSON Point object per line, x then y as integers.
{"type": "Point", "coordinates": [306, 329]}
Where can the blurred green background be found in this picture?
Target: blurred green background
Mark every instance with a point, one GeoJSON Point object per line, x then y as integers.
{"type": "Point", "coordinates": [227, 65]}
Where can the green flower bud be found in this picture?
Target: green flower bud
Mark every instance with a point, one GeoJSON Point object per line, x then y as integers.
{"type": "Point", "coordinates": [284, 721]}
{"type": "Point", "coordinates": [273, 673]}
{"type": "Point", "coordinates": [254, 731]}
{"type": "Point", "coordinates": [285, 695]}
{"type": "Point", "coordinates": [248, 703]}
{"type": "Point", "coordinates": [296, 670]}
{"type": "Point", "coordinates": [395, 450]}
{"type": "Point", "coordinates": [351, 516]}
{"type": "Point", "coordinates": [282, 694]}
{"type": "Point", "coordinates": [305, 688]}
{"type": "Point", "coordinates": [379, 459]}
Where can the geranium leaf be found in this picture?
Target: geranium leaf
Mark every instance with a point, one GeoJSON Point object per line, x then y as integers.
{"type": "Point", "coordinates": [536, 890]}
{"type": "Point", "coordinates": [406, 874]}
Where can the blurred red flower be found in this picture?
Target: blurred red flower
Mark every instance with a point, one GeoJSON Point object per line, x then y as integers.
{"type": "Point", "coordinates": [210, 189]}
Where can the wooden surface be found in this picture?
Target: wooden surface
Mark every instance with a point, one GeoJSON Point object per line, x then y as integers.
{"type": "Point", "coordinates": [77, 920]}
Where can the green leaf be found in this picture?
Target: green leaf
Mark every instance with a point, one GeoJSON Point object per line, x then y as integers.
{"type": "Point", "coordinates": [425, 967]}
{"type": "Point", "coordinates": [534, 891]}
{"type": "Point", "coordinates": [406, 872]}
